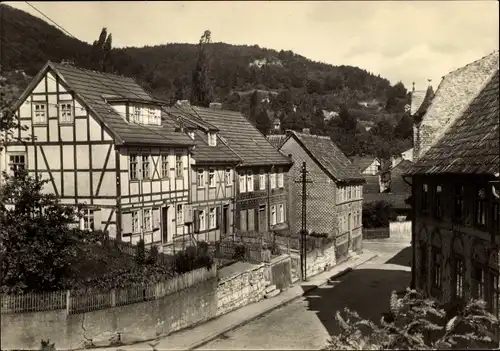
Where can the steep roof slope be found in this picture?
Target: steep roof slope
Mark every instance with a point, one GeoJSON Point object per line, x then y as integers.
{"type": "Point", "coordinates": [91, 86]}
{"type": "Point", "coordinates": [241, 136]}
{"type": "Point", "coordinates": [471, 144]}
{"type": "Point", "coordinates": [328, 155]}
{"type": "Point", "coordinates": [362, 162]}
{"type": "Point", "coordinates": [398, 185]}
{"type": "Point", "coordinates": [276, 140]}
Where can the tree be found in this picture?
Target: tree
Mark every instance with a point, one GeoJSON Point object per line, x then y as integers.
{"type": "Point", "coordinates": [254, 107]}
{"type": "Point", "coordinates": [417, 323]}
{"type": "Point", "coordinates": [201, 91]}
{"type": "Point", "coordinates": [262, 122]}
{"type": "Point", "coordinates": [404, 128]}
{"type": "Point", "coordinates": [101, 51]}
{"type": "Point", "coordinates": [37, 245]}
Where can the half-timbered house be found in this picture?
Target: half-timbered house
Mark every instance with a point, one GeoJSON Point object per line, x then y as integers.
{"type": "Point", "coordinates": [212, 182]}
{"type": "Point", "coordinates": [261, 179]}
{"type": "Point", "coordinates": [102, 141]}
{"type": "Point", "coordinates": [455, 189]}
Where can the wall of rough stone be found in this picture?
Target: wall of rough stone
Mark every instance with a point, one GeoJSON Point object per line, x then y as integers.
{"type": "Point", "coordinates": [320, 260]}
{"type": "Point", "coordinates": [241, 289]}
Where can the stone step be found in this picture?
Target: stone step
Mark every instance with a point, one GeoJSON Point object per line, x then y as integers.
{"type": "Point", "coordinates": [270, 288]}
{"type": "Point", "coordinates": [273, 293]}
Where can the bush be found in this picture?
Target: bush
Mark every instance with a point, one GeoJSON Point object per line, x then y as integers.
{"type": "Point", "coordinates": [377, 214]}
{"type": "Point", "coordinates": [153, 255]}
{"type": "Point", "coordinates": [239, 252]}
{"type": "Point", "coordinates": [192, 258]}
{"type": "Point", "coordinates": [140, 254]}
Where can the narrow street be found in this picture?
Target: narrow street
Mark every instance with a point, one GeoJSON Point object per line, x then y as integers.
{"type": "Point", "coordinates": [307, 322]}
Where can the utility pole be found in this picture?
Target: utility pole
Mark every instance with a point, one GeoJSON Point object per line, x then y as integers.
{"type": "Point", "coordinates": [304, 179]}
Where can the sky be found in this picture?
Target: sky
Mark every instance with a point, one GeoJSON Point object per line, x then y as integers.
{"type": "Point", "coordinates": [408, 41]}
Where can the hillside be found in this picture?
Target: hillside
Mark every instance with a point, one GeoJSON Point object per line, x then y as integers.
{"type": "Point", "coordinates": [236, 70]}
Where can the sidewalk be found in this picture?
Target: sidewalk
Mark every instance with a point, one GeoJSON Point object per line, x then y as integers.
{"type": "Point", "coordinates": [193, 338]}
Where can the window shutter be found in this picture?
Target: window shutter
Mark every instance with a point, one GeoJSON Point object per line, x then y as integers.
{"type": "Point", "coordinates": [127, 223]}
{"type": "Point", "coordinates": [218, 215]}
{"type": "Point", "coordinates": [156, 218]}
{"type": "Point", "coordinates": [256, 219]}
{"type": "Point", "coordinates": [196, 221]}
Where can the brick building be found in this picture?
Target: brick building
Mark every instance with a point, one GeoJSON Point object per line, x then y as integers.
{"type": "Point", "coordinates": [455, 192]}
{"type": "Point", "coordinates": [335, 196]}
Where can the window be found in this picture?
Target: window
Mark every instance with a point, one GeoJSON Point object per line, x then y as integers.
{"type": "Point", "coordinates": [423, 264]}
{"type": "Point", "coordinates": [243, 183]}
{"type": "Point", "coordinates": [152, 116]}
{"type": "Point", "coordinates": [212, 139]}
{"type": "Point", "coordinates": [494, 293]}
{"type": "Point", "coordinates": [66, 112]}
{"type": "Point", "coordinates": [191, 135]}
{"type": "Point", "coordinates": [425, 198]}
{"type": "Point", "coordinates": [273, 180]}
{"type": "Point", "coordinates": [273, 215]}
{"type": "Point", "coordinates": [145, 167]}
{"type": "Point", "coordinates": [135, 222]}
{"type": "Point", "coordinates": [243, 221]}
{"type": "Point", "coordinates": [211, 178]}
{"type": "Point", "coordinates": [17, 163]}
{"type": "Point", "coordinates": [87, 221]}
{"type": "Point", "coordinates": [458, 203]}
{"type": "Point", "coordinates": [249, 181]}
{"type": "Point", "coordinates": [478, 282]}
{"type": "Point", "coordinates": [262, 180]}
{"type": "Point", "coordinates": [281, 181]}
{"type": "Point", "coordinates": [251, 220]}
{"type": "Point", "coordinates": [147, 223]}
{"type": "Point", "coordinates": [459, 277]}
{"type": "Point", "coordinates": [481, 205]}
{"type": "Point", "coordinates": [201, 219]}
{"type": "Point", "coordinates": [438, 203]}
{"type": "Point", "coordinates": [179, 166]}
{"type": "Point", "coordinates": [164, 166]}
{"type": "Point", "coordinates": [212, 218]}
{"type": "Point", "coordinates": [436, 268]}
{"type": "Point", "coordinates": [133, 163]}
{"type": "Point", "coordinates": [229, 180]}
{"type": "Point", "coordinates": [349, 193]}
{"type": "Point", "coordinates": [200, 178]}
{"type": "Point", "coordinates": [136, 118]}
{"type": "Point", "coordinates": [180, 214]}
{"type": "Point", "coordinates": [40, 113]}
{"type": "Point", "coordinates": [281, 213]}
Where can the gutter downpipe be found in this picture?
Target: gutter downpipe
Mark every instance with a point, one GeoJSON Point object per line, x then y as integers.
{"type": "Point", "coordinates": [413, 243]}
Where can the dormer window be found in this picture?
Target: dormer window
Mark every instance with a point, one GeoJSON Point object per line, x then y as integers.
{"type": "Point", "coordinates": [191, 135]}
{"type": "Point", "coordinates": [212, 139]}
{"type": "Point", "coordinates": [144, 115]}
{"type": "Point", "coordinates": [136, 118]}
{"type": "Point", "coordinates": [151, 115]}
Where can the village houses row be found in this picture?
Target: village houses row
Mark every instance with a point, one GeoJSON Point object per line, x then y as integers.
{"type": "Point", "coordinates": [163, 173]}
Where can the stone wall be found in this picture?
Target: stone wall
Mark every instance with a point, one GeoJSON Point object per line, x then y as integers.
{"type": "Point", "coordinates": [279, 272]}
{"type": "Point", "coordinates": [241, 289]}
{"type": "Point", "coordinates": [320, 260]}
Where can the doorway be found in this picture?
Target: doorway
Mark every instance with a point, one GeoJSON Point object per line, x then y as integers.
{"type": "Point", "coordinates": [225, 219]}
{"type": "Point", "coordinates": [164, 224]}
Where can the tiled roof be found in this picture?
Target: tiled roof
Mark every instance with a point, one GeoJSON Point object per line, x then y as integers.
{"type": "Point", "coordinates": [241, 136]}
{"type": "Point", "coordinates": [398, 185]}
{"type": "Point", "coordinates": [276, 140]}
{"type": "Point", "coordinates": [470, 145]}
{"type": "Point", "coordinates": [429, 95]}
{"type": "Point", "coordinates": [90, 86]}
{"type": "Point", "coordinates": [328, 155]}
{"type": "Point", "coordinates": [202, 152]}
{"type": "Point", "coordinates": [372, 185]}
{"type": "Point", "coordinates": [362, 162]}
{"type": "Point", "coordinates": [420, 101]}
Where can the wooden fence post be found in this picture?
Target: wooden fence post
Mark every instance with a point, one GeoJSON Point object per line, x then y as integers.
{"type": "Point", "coordinates": [68, 301]}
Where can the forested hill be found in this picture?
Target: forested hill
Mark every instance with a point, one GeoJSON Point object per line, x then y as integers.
{"type": "Point", "coordinates": [304, 86]}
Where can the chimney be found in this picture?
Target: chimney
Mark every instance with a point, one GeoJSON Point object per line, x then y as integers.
{"type": "Point", "coordinates": [216, 105]}
{"type": "Point", "coordinates": [306, 131]}
{"type": "Point", "coordinates": [68, 62]}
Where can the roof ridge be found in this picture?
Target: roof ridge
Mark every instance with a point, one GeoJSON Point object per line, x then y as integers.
{"type": "Point", "coordinates": [94, 71]}
{"type": "Point", "coordinates": [471, 63]}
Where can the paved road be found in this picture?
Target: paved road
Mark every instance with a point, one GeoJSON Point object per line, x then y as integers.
{"type": "Point", "coordinates": [307, 322]}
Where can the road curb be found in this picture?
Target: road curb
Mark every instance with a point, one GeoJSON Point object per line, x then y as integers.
{"type": "Point", "coordinates": [272, 308]}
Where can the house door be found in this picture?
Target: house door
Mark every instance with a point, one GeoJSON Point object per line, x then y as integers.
{"type": "Point", "coordinates": [262, 219]}
{"type": "Point", "coordinates": [225, 219]}
{"type": "Point", "coordinates": [164, 224]}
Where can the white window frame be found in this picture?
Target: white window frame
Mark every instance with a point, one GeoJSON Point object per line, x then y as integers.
{"type": "Point", "coordinates": [228, 177]}
{"type": "Point", "coordinates": [179, 166]}
{"type": "Point", "coordinates": [66, 115]}
{"type": "Point", "coordinates": [201, 220]}
{"type": "Point", "coordinates": [211, 178]}
{"type": "Point", "coordinates": [136, 222]}
{"type": "Point", "coordinates": [179, 214]}
{"type": "Point", "coordinates": [165, 172]}
{"type": "Point", "coordinates": [281, 179]}
{"type": "Point", "coordinates": [281, 213]}
{"type": "Point", "coordinates": [273, 214]}
{"type": "Point", "coordinates": [273, 180]}
{"type": "Point", "coordinates": [151, 116]}
{"type": "Point", "coordinates": [212, 139]}
{"type": "Point", "coordinates": [249, 181]}
{"type": "Point", "coordinates": [16, 165]}
{"type": "Point", "coordinates": [137, 116]}
{"type": "Point", "coordinates": [200, 178]}
{"type": "Point", "coordinates": [40, 113]}
{"type": "Point", "coordinates": [212, 214]}
{"type": "Point", "coordinates": [146, 166]}
{"type": "Point", "coordinates": [87, 219]}
{"type": "Point", "coordinates": [147, 220]}
{"type": "Point", "coordinates": [262, 180]}
{"type": "Point", "coordinates": [243, 182]}
{"type": "Point", "coordinates": [133, 166]}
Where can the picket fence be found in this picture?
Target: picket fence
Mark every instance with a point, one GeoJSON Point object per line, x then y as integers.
{"type": "Point", "coordinates": [80, 301]}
